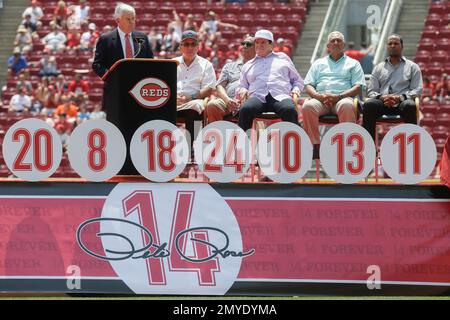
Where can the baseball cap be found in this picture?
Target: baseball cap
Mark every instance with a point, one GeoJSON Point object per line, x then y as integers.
{"type": "Point", "coordinates": [189, 34]}
{"type": "Point", "coordinates": [264, 34]}
{"type": "Point", "coordinates": [16, 50]}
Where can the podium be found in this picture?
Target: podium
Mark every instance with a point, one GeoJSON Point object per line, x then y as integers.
{"type": "Point", "coordinates": [136, 91]}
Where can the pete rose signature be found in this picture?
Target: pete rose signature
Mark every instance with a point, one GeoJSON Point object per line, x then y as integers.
{"type": "Point", "coordinates": [161, 250]}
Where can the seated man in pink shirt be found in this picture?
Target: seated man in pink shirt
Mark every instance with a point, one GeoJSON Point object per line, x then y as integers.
{"type": "Point", "coordinates": [269, 81]}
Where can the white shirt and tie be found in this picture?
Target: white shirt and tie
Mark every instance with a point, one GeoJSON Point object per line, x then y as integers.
{"type": "Point", "coordinates": [126, 39]}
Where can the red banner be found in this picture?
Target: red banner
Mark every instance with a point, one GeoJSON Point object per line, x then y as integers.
{"type": "Point", "coordinates": [295, 239]}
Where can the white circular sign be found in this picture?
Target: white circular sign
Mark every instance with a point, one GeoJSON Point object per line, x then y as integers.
{"type": "Point", "coordinates": [284, 152]}
{"type": "Point", "coordinates": [347, 153]}
{"type": "Point", "coordinates": [408, 153]}
{"type": "Point", "coordinates": [163, 239]}
{"type": "Point", "coordinates": [32, 149]}
{"type": "Point", "coordinates": [159, 150]}
{"type": "Point", "coordinates": [222, 151]}
{"type": "Point", "coordinates": [97, 150]}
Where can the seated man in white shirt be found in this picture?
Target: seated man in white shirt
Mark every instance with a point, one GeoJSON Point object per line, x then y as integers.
{"type": "Point", "coordinates": [20, 102]}
{"type": "Point", "coordinates": [195, 80]}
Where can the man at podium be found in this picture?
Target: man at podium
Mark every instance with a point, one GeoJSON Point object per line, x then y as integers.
{"type": "Point", "coordinates": [122, 42]}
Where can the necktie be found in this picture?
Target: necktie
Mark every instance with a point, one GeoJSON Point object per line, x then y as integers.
{"type": "Point", "coordinates": [128, 51]}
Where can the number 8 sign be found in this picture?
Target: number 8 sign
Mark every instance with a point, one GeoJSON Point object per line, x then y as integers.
{"type": "Point", "coordinates": [32, 149]}
{"type": "Point", "coordinates": [97, 150]}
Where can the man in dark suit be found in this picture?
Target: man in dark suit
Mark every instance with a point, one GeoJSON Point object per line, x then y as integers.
{"type": "Point", "coordinates": [122, 42]}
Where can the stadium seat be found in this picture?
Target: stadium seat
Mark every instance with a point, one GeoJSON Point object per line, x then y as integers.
{"type": "Point", "coordinates": [439, 56]}
{"type": "Point", "coordinates": [427, 44]}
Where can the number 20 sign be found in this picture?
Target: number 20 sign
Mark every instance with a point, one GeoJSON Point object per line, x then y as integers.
{"type": "Point", "coordinates": [32, 149]}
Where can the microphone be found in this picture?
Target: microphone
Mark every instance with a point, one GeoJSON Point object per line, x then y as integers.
{"type": "Point", "coordinates": [139, 41]}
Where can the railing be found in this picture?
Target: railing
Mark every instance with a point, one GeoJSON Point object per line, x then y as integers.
{"type": "Point", "coordinates": [390, 18]}
{"type": "Point", "coordinates": [332, 18]}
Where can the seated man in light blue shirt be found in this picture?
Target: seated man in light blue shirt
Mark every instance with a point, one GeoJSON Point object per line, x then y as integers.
{"type": "Point", "coordinates": [332, 82]}
{"type": "Point", "coordinates": [268, 80]}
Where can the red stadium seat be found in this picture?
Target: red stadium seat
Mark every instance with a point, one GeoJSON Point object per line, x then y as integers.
{"type": "Point", "coordinates": [430, 34]}
{"type": "Point", "coordinates": [443, 119]}
{"type": "Point", "coordinates": [427, 44]}
{"type": "Point", "coordinates": [430, 107]}
{"type": "Point", "coordinates": [437, 8]}
{"type": "Point", "coordinates": [232, 8]}
{"type": "Point", "coordinates": [433, 20]}
{"type": "Point", "coordinates": [439, 56]}
{"type": "Point", "coordinates": [229, 18]}
{"type": "Point", "coordinates": [423, 56]}
{"type": "Point", "coordinates": [245, 19]}
{"type": "Point", "coordinates": [443, 44]}
{"type": "Point", "coordinates": [444, 108]}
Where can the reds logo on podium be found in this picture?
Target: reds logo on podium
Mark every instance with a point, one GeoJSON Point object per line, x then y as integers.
{"type": "Point", "coordinates": [151, 93]}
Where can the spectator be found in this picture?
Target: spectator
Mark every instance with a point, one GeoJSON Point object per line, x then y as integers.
{"type": "Point", "coordinates": [48, 64]}
{"type": "Point", "coordinates": [155, 38]}
{"type": "Point", "coordinates": [171, 41]}
{"type": "Point", "coordinates": [282, 47]}
{"type": "Point", "coordinates": [24, 82]}
{"type": "Point", "coordinates": [16, 63]}
{"type": "Point", "coordinates": [216, 57]}
{"type": "Point", "coordinates": [176, 24]}
{"type": "Point", "coordinates": [35, 12]}
{"type": "Point", "coordinates": [30, 26]}
{"type": "Point", "coordinates": [73, 40]}
{"type": "Point", "coordinates": [97, 113]}
{"type": "Point", "coordinates": [367, 61]}
{"type": "Point", "coordinates": [63, 127]}
{"type": "Point", "coordinates": [79, 89]}
{"type": "Point", "coordinates": [67, 107]}
{"type": "Point", "coordinates": [51, 101]}
{"type": "Point", "coordinates": [395, 83]}
{"type": "Point", "coordinates": [211, 25]}
{"type": "Point", "coordinates": [61, 85]}
{"type": "Point", "coordinates": [89, 38]}
{"type": "Point", "coordinates": [269, 89]}
{"type": "Point", "coordinates": [23, 40]}
{"type": "Point", "coordinates": [81, 12]}
{"type": "Point", "coordinates": [442, 88]}
{"type": "Point", "coordinates": [332, 82]}
{"type": "Point", "coordinates": [429, 90]}
{"type": "Point", "coordinates": [20, 102]}
{"type": "Point", "coordinates": [82, 115]}
{"type": "Point", "coordinates": [61, 13]}
{"type": "Point", "coordinates": [107, 28]}
{"type": "Point", "coordinates": [228, 82]}
{"type": "Point", "coordinates": [353, 53]}
{"type": "Point", "coordinates": [41, 93]}
{"type": "Point", "coordinates": [196, 80]}
{"type": "Point", "coordinates": [190, 23]}
{"type": "Point", "coordinates": [55, 40]}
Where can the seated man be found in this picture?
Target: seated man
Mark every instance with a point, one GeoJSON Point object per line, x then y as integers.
{"type": "Point", "coordinates": [228, 81]}
{"type": "Point", "coordinates": [395, 83]}
{"type": "Point", "coordinates": [331, 82]}
{"type": "Point", "coordinates": [16, 63]}
{"type": "Point", "coordinates": [20, 102]}
{"type": "Point", "coordinates": [268, 80]}
{"type": "Point", "coordinates": [195, 80]}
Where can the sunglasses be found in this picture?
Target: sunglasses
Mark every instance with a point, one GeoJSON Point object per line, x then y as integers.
{"type": "Point", "coordinates": [189, 44]}
{"type": "Point", "coordinates": [246, 44]}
